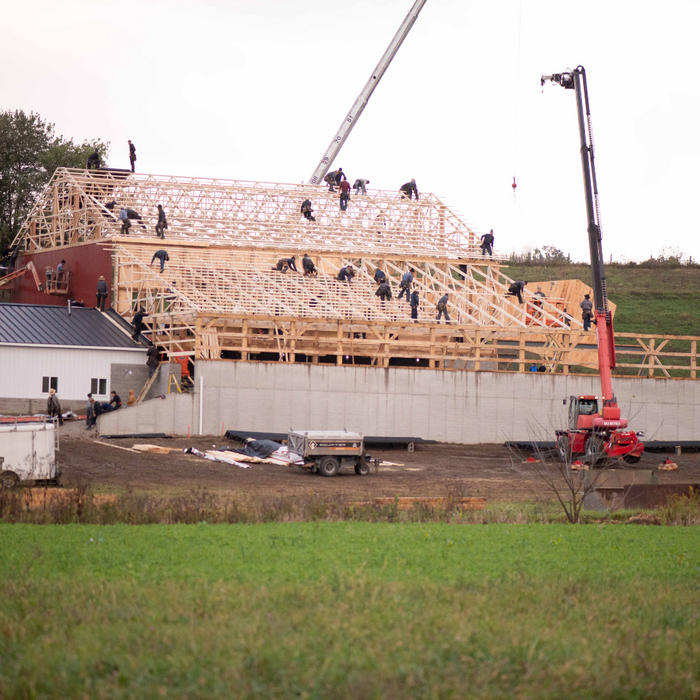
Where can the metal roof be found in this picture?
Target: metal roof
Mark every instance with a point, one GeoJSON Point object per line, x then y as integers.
{"type": "Point", "coordinates": [35, 324]}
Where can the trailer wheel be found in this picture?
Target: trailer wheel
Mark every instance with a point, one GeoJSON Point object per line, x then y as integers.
{"type": "Point", "coordinates": [362, 469]}
{"type": "Point", "coordinates": [329, 466]}
{"type": "Point", "coordinates": [8, 480]}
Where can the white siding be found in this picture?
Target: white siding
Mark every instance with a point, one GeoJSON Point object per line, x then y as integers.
{"type": "Point", "coordinates": [22, 369]}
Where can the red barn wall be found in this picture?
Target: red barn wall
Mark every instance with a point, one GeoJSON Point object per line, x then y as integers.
{"type": "Point", "coordinates": [84, 262]}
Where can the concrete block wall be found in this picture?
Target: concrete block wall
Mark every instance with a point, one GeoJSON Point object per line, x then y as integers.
{"type": "Point", "coordinates": [461, 407]}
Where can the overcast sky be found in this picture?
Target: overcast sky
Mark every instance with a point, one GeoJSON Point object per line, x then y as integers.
{"type": "Point", "coordinates": [255, 90]}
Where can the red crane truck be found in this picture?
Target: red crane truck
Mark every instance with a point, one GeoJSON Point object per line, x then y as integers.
{"type": "Point", "coordinates": [599, 433]}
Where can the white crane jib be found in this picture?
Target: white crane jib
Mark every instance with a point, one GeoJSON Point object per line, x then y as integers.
{"type": "Point", "coordinates": [361, 102]}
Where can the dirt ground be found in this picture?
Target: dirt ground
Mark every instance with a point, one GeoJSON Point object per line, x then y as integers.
{"type": "Point", "coordinates": [432, 470]}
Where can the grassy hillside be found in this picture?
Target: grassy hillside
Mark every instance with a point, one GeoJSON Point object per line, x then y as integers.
{"type": "Point", "coordinates": [660, 299]}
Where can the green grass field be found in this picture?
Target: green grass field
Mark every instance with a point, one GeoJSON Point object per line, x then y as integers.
{"type": "Point", "coordinates": [349, 610]}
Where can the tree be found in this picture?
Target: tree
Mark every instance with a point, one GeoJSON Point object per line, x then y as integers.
{"type": "Point", "coordinates": [29, 154]}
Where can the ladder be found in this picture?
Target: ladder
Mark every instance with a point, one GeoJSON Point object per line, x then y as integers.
{"type": "Point", "coordinates": [147, 386]}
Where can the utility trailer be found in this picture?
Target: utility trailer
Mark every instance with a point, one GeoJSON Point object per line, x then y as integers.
{"type": "Point", "coordinates": [28, 454]}
{"type": "Point", "coordinates": [325, 452]}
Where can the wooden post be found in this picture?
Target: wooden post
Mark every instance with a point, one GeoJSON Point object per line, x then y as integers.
{"type": "Point", "coordinates": [431, 361]}
{"type": "Point", "coordinates": [693, 358]}
{"type": "Point", "coordinates": [652, 357]}
{"type": "Point", "coordinates": [339, 346]}
{"type": "Point", "coordinates": [521, 353]}
{"type": "Point", "coordinates": [198, 339]}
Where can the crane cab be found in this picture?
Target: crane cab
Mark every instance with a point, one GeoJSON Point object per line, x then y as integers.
{"type": "Point", "coordinates": [583, 410]}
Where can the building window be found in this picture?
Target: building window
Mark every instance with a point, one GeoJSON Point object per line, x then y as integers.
{"type": "Point", "coordinates": [98, 387]}
{"type": "Point", "coordinates": [49, 383]}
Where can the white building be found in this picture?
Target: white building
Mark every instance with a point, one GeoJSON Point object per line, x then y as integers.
{"type": "Point", "coordinates": [74, 352]}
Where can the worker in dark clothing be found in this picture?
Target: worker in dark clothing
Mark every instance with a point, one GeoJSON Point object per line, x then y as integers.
{"type": "Point", "coordinates": [53, 406]}
{"type": "Point", "coordinates": [308, 266]}
{"type": "Point", "coordinates": [405, 286]}
{"type": "Point", "coordinates": [346, 274]}
{"type": "Point", "coordinates": [133, 215]}
{"type": "Point", "coordinates": [291, 263]}
{"type": "Point", "coordinates": [89, 412]}
{"type": "Point", "coordinates": [487, 243]}
{"type": "Point", "coordinates": [152, 359]}
{"type": "Point", "coordinates": [379, 276]}
{"type": "Point", "coordinates": [330, 181]}
{"type": "Point", "coordinates": [408, 190]}
{"type": "Point", "coordinates": [116, 402]}
{"type": "Point", "coordinates": [161, 255]}
{"type": "Point", "coordinates": [414, 306]}
{"type": "Point", "coordinates": [344, 187]}
{"type": "Point", "coordinates": [137, 323]}
{"type": "Point", "coordinates": [284, 264]}
{"type": "Point", "coordinates": [516, 289]}
{"type": "Point", "coordinates": [102, 293]}
{"type": "Point", "coordinates": [383, 292]}
{"type": "Point", "coordinates": [162, 223]}
{"type": "Point", "coordinates": [339, 176]}
{"type": "Point", "coordinates": [132, 155]}
{"type": "Point", "coordinates": [94, 160]}
{"type": "Point", "coordinates": [307, 211]}
{"type": "Point", "coordinates": [587, 311]}
{"type": "Point", "coordinates": [442, 308]}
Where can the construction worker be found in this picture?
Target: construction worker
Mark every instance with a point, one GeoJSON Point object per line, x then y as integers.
{"type": "Point", "coordinates": [132, 214]}
{"type": "Point", "coordinates": [414, 306]}
{"type": "Point", "coordinates": [307, 211]}
{"type": "Point", "coordinates": [151, 359]}
{"type": "Point", "coordinates": [516, 289]}
{"type": "Point", "coordinates": [408, 190]}
{"type": "Point", "coordinates": [307, 264]}
{"type": "Point", "coordinates": [360, 185]}
{"type": "Point", "coordinates": [379, 276]}
{"type": "Point", "coordinates": [284, 264]}
{"type": "Point", "coordinates": [487, 243]}
{"type": "Point", "coordinates": [102, 293]}
{"type": "Point", "coordinates": [161, 255]}
{"type": "Point", "coordinates": [344, 187]}
{"type": "Point", "coordinates": [291, 263]}
{"type": "Point", "coordinates": [346, 274]}
{"type": "Point", "coordinates": [587, 311]}
{"type": "Point", "coordinates": [53, 406]}
{"type": "Point", "coordinates": [132, 155]}
{"type": "Point", "coordinates": [94, 160]}
{"type": "Point", "coordinates": [60, 272]}
{"type": "Point", "coordinates": [405, 286]}
{"type": "Point", "coordinates": [89, 412]}
{"type": "Point", "coordinates": [442, 308]}
{"type": "Point", "coordinates": [132, 399]}
{"type": "Point", "coordinates": [116, 402]}
{"type": "Point", "coordinates": [162, 223]}
{"type": "Point", "coordinates": [124, 218]}
{"type": "Point", "coordinates": [383, 292]}
{"type": "Point", "coordinates": [137, 323]}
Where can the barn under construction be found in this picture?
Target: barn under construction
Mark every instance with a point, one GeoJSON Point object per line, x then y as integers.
{"type": "Point", "coordinates": [219, 297]}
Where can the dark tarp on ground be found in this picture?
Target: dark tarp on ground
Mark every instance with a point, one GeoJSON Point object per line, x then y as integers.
{"type": "Point", "coordinates": [259, 448]}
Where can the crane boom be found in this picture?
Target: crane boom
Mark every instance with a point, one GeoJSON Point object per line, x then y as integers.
{"type": "Point", "coordinates": [361, 102]}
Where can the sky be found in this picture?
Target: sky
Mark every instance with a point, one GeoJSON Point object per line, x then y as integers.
{"type": "Point", "coordinates": [256, 89]}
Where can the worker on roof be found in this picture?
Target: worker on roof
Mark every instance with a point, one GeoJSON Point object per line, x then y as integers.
{"type": "Point", "coordinates": [405, 285]}
{"type": "Point", "coordinates": [307, 264]}
{"type": "Point", "coordinates": [133, 215]}
{"type": "Point", "coordinates": [383, 292]}
{"type": "Point", "coordinates": [346, 273]}
{"type": "Point", "coordinates": [307, 211]}
{"type": "Point", "coordinates": [124, 218]}
{"type": "Point", "coordinates": [132, 155]}
{"type": "Point", "coordinates": [379, 276]}
{"type": "Point", "coordinates": [408, 190]}
{"type": "Point", "coordinates": [414, 301]}
{"type": "Point", "coordinates": [587, 311]}
{"type": "Point", "coordinates": [284, 264]}
{"type": "Point", "coordinates": [94, 160]}
{"type": "Point", "coordinates": [344, 187]}
{"type": "Point", "coordinates": [162, 223]}
{"type": "Point", "coordinates": [516, 289]}
{"type": "Point", "coordinates": [137, 323]}
{"type": "Point", "coordinates": [360, 185]}
{"type": "Point", "coordinates": [53, 406]}
{"type": "Point", "coordinates": [161, 255]}
{"type": "Point", "coordinates": [102, 293]}
{"type": "Point", "coordinates": [442, 308]}
{"type": "Point", "coordinates": [487, 243]}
